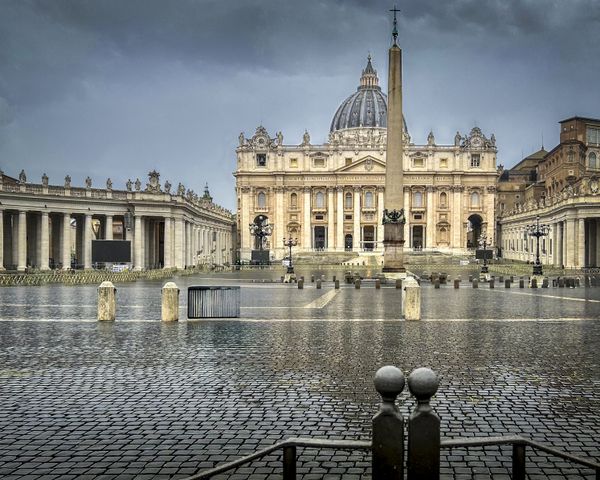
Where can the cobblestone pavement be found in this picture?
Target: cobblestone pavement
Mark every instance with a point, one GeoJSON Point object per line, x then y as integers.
{"type": "Point", "coordinates": [141, 399]}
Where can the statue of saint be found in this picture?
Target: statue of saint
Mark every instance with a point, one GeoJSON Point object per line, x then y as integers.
{"type": "Point", "coordinates": [88, 182]}
{"type": "Point", "coordinates": [128, 185]}
{"type": "Point", "coordinates": [168, 186]}
{"type": "Point", "coordinates": [306, 138]}
{"type": "Point", "coordinates": [241, 139]}
{"type": "Point", "coordinates": [68, 181]}
{"type": "Point", "coordinates": [457, 139]}
{"type": "Point", "coordinates": [108, 184]}
{"type": "Point", "coordinates": [279, 138]}
{"type": "Point", "coordinates": [22, 177]}
{"type": "Point", "coordinates": [138, 185]}
{"type": "Point", "coordinates": [45, 180]}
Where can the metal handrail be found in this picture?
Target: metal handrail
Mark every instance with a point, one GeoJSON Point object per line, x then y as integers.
{"type": "Point", "coordinates": [292, 443]}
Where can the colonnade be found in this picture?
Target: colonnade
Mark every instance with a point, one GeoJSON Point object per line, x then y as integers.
{"type": "Point", "coordinates": [572, 241]}
{"type": "Point", "coordinates": [43, 239]}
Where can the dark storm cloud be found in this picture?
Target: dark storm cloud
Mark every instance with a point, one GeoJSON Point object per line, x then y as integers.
{"type": "Point", "coordinates": [118, 87]}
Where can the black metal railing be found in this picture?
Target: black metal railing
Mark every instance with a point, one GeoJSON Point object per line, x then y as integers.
{"type": "Point", "coordinates": [387, 444]}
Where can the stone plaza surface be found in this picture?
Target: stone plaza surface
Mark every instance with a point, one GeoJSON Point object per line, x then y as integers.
{"type": "Point", "coordinates": [138, 398]}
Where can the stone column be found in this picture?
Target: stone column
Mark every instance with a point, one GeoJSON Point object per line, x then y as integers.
{"type": "Point", "coordinates": [137, 249]}
{"type": "Point", "coordinates": [570, 240]}
{"type": "Point", "coordinates": [555, 261]}
{"type": "Point", "coordinates": [108, 228]}
{"type": "Point", "coordinates": [407, 239]}
{"type": "Point", "coordinates": [1, 240]}
{"type": "Point", "coordinates": [279, 232]}
{"type": "Point", "coordinates": [167, 246]}
{"type": "Point", "coordinates": [65, 241]}
{"type": "Point", "coordinates": [380, 218]}
{"type": "Point", "coordinates": [188, 243]}
{"type": "Point", "coordinates": [14, 255]}
{"type": "Point", "coordinates": [87, 242]}
{"type": "Point", "coordinates": [339, 242]}
{"type": "Point", "coordinates": [178, 241]}
{"type": "Point", "coordinates": [306, 231]}
{"type": "Point", "coordinates": [580, 253]}
{"type": "Point", "coordinates": [457, 218]}
{"type": "Point", "coordinates": [44, 243]}
{"type": "Point", "coordinates": [245, 237]}
{"type": "Point", "coordinates": [356, 245]}
{"type": "Point", "coordinates": [330, 220]}
{"type": "Point", "coordinates": [22, 242]}
{"type": "Point", "coordinates": [430, 234]}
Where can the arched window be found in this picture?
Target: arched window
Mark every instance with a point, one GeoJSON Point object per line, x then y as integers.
{"type": "Point", "coordinates": [443, 234]}
{"type": "Point", "coordinates": [592, 160]}
{"type": "Point", "coordinates": [475, 200]}
{"type": "Point", "coordinates": [261, 200]}
{"type": "Point", "coordinates": [417, 199]}
{"type": "Point", "coordinates": [320, 200]}
{"type": "Point", "coordinates": [369, 200]}
{"type": "Point", "coordinates": [443, 200]}
{"type": "Point", "coordinates": [348, 200]}
{"type": "Point", "coordinates": [294, 200]}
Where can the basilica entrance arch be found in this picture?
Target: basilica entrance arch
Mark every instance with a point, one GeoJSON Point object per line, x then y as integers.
{"type": "Point", "coordinates": [348, 242]}
{"type": "Point", "coordinates": [369, 237]}
{"type": "Point", "coordinates": [319, 238]}
{"type": "Point", "coordinates": [473, 230]}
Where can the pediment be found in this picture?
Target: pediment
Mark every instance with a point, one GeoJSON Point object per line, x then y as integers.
{"type": "Point", "coordinates": [364, 165]}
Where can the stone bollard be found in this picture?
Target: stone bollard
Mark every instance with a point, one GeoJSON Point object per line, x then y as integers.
{"type": "Point", "coordinates": [312, 279]}
{"type": "Point", "coordinates": [534, 283]}
{"type": "Point", "coordinates": [545, 282]}
{"type": "Point", "coordinates": [561, 282]}
{"type": "Point", "coordinates": [577, 282]}
{"type": "Point", "coordinates": [411, 299]}
{"type": "Point", "coordinates": [470, 278]}
{"type": "Point", "coordinates": [436, 282]}
{"type": "Point", "coordinates": [336, 283]}
{"type": "Point", "coordinates": [107, 301]}
{"type": "Point", "coordinates": [423, 452]}
{"type": "Point", "coordinates": [475, 283]}
{"type": "Point", "coordinates": [357, 283]}
{"type": "Point", "coordinates": [512, 279]}
{"type": "Point", "coordinates": [521, 283]}
{"type": "Point", "coordinates": [378, 284]}
{"type": "Point", "coordinates": [492, 282]}
{"type": "Point", "coordinates": [282, 278]}
{"type": "Point", "coordinates": [334, 278]}
{"type": "Point", "coordinates": [387, 453]}
{"type": "Point", "coordinates": [170, 302]}
{"type": "Point", "coordinates": [319, 284]}
{"type": "Point", "coordinates": [507, 283]}
{"type": "Point", "coordinates": [398, 283]}
{"type": "Point", "coordinates": [501, 279]}
{"type": "Point", "coordinates": [300, 284]}
{"type": "Point", "coordinates": [456, 283]}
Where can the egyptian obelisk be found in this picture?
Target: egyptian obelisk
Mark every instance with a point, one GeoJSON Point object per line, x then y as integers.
{"type": "Point", "coordinates": [393, 216]}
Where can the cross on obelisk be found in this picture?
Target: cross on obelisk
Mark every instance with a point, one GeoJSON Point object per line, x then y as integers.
{"type": "Point", "coordinates": [393, 214]}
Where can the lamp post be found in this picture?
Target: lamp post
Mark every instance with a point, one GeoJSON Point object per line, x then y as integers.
{"type": "Point", "coordinates": [290, 242]}
{"type": "Point", "coordinates": [260, 229]}
{"type": "Point", "coordinates": [538, 230]}
{"type": "Point", "coordinates": [483, 243]}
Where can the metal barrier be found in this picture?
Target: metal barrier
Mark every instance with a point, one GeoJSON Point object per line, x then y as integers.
{"type": "Point", "coordinates": [213, 302]}
{"type": "Point", "coordinates": [387, 444]}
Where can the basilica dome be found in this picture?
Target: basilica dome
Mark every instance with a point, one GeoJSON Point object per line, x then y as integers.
{"type": "Point", "coordinates": [367, 107]}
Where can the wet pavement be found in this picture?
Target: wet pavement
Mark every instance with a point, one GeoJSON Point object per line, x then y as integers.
{"type": "Point", "coordinates": [140, 399]}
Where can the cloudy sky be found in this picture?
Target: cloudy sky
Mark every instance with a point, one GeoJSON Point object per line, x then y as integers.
{"type": "Point", "coordinates": [116, 88]}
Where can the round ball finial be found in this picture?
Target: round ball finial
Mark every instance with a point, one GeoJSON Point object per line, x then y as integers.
{"type": "Point", "coordinates": [423, 383]}
{"type": "Point", "coordinates": [389, 382]}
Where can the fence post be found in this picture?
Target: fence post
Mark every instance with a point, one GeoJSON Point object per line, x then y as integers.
{"type": "Point", "coordinates": [388, 426]}
{"type": "Point", "coordinates": [423, 456]}
{"type": "Point", "coordinates": [518, 462]}
{"type": "Point", "coordinates": [289, 462]}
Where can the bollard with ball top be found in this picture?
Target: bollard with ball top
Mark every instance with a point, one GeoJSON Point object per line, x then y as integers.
{"type": "Point", "coordinates": [170, 302]}
{"type": "Point", "coordinates": [423, 457]}
{"type": "Point", "coordinates": [388, 426]}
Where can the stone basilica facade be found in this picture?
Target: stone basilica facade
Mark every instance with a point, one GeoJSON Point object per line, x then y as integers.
{"type": "Point", "coordinates": [330, 196]}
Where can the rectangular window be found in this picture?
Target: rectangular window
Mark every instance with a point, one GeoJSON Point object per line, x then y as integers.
{"type": "Point", "coordinates": [319, 162]}
{"type": "Point", "coordinates": [418, 162]}
{"type": "Point", "coordinates": [475, 160]}
{"type": "Point", "coordinates": [417, 216]}
{"type": "Point", "coordinates": [261, 159]}
{"type": "Point", "coordinates": [348, 161]}
{"type": "Point", "coordinates": [348, 217]}
{"type": "Point", "coordinates": [593, 136]}
{"type": "Point", "coordinates": [318, 217]}
{"type": "Point", "coordinates": [293, 163]}
{"type": "Point", "coordinates": [443, 163]}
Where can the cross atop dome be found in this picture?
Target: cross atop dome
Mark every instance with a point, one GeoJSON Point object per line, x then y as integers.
{"type": "Point", "coordinates": [369, 75]}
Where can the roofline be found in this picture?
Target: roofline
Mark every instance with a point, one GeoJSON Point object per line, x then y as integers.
{"type": "Point", "coordinates": [588, 119]}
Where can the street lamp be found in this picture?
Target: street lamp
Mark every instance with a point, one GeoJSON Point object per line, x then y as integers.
{"type": "Point", "coordinates": [483, 243]}
{"type": "Point", "coordinates": [538, 230]}
{"type": "Point", "coordinates": [290, 242]}
{"type": "Point", "coordinates": [260, 229]}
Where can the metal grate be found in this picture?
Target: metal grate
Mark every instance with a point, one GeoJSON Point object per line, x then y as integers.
{"type": "Point", "coordinates": [213, 302]}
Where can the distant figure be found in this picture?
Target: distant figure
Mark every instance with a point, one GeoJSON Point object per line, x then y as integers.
{"type": "Point", "coordinates": [88, 182]}
{"type": "Point", "coordinates": [68, 181]}
{"type": "Point", "coordinates": [241, 139]}
{"type": "Point", "coordinates": [22, 177]}
{"type": "Point", "coordinates": [128, 185]}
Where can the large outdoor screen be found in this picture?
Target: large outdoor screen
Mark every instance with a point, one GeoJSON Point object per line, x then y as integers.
{"type": "Point", "coordinates": [114, 251]}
